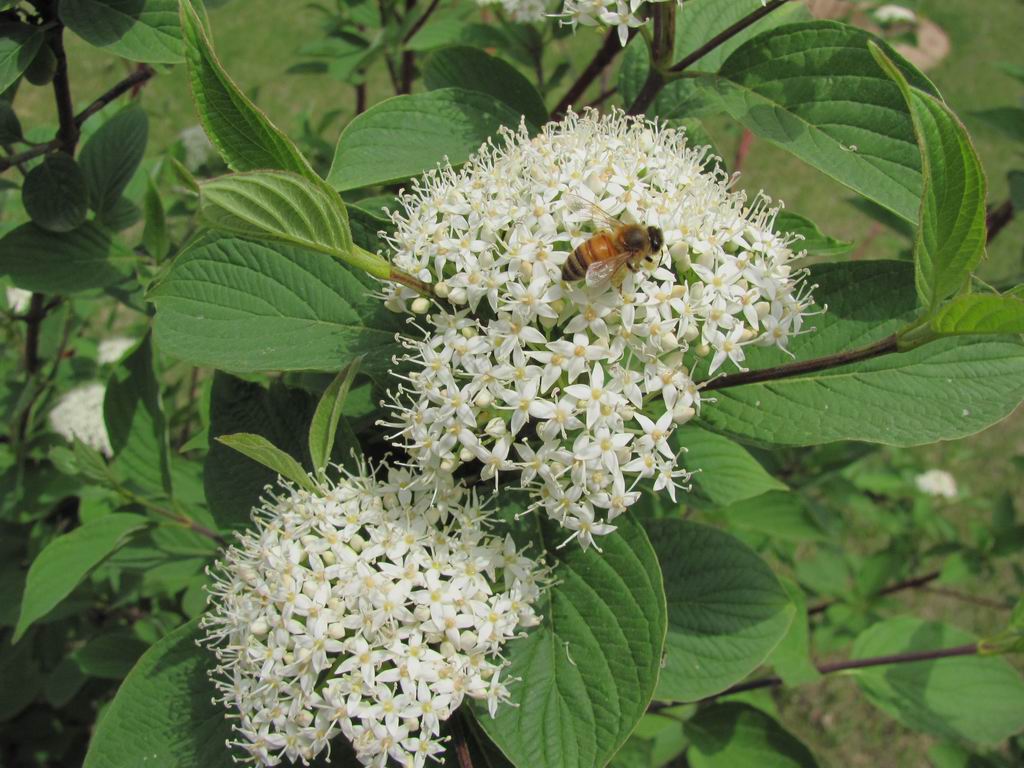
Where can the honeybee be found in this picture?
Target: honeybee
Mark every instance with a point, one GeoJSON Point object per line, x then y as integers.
{"type": "Point", "coordinates": [605, 256]}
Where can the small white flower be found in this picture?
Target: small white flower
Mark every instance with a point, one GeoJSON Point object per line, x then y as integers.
{"type": "Point", "coordinates": [577, 389]}
{"type": "Point", "coordinates": [371, 609]}
{"type": "Point", "coordinates": [78, 415]}
{"type": "Point", "coordinates": [622, 15]}
{"type": "Point", "coordinates": [198, 148]}
{"type": "Point", "coordinates": [113, 349]}
{"type": "Point", "coordinates": [937, 482]}
{"type": "Point", "coordinates": [18, 300]}
{"type": "Point", "coordinates": [892, 13]}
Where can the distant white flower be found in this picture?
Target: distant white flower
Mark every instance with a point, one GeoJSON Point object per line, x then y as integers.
{"type": "Point", "coordinates": [369, 609]}
{"type": "Point", "coordinates": [578, 388]}
{"type": "Point", "coordinates": [937, 482]}
{"type": "Point", "coordinates": [18, 300]}
{"type": "Point", "coordinates": [111, 350]}
{"type": "Point", "coordinates": [892, 13]}
{"type": "Point", "coordinates": [199, 150]}
{"type": "Point", "coordinates": [79, 415]}
{"type": "Point", "coordinates": [521, 11]}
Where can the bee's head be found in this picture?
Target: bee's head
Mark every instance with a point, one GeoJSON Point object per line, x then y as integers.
{"type": "Point", "coordinates": [657, 238]}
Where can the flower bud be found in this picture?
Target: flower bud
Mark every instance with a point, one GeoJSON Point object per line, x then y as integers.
{"type": "Point", "coordinates": [465, 455]}
{"type": "Point", "coordinates": [420, 306]}
{"type": "Point", "coordinates": [669, 341]}
{"type": "Point", "coordinates": [259, 627]}
{"type": "Point", "coordinates": [447, 465]}
{"type": "Point", "coordinates": [495, 427]}
{"type": "Point", "coordinates": [703, 350]}
{"type": "Point", "coordinates": [458, 296]}
{"type": "Point", "coordinates": [483, 399]}
{"type": "Point", "coordinates": [441, 290]}
{"type": "Point", "coordinates": [763, 309]}
{"type": "Point", "coordinates": [690, 333]}
{"type": "Point", "coordinates": [336, 630]}
{"type": "Point", "coordinates": [680, 253]}
{"type": "Point", "coordinates": [682, 413]}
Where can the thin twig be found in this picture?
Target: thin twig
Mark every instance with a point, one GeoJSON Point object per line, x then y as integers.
{"type": "Point", "coordinates": [603, 96]}
{"type": "Point", "coordinates": [727, 34]}
{"type": "Point", "coordinates": [998, 218]}
{"type": "Point", "coordinates": [610, 48]}
{"type": "Point", "coordinates": [899, 586]}
{"type": "Point", "coordinates": [973, 599]}
{"type": "Point", "coordinates": [883, 347]}
{"type": "Point", "coordinates": [408, 57]}
{"type": "Point", "coordinates": [420, 21]}
{"type": "Point", "coordinates": [970, 649]}
{"type": "Point", "coordinates": [662, 47]}
{"type": "Point", "coordinates": [134, 80]}
{"type": "Point", "coordinates": [67, 133]}
{"type": "Point", "coordinates": [460, 742]}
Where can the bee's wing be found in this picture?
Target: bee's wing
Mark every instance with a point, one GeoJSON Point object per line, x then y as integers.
{"type": "Point", "coordinates": [601, 273]}
{"type": "Point", "coordinates": [576, 203]}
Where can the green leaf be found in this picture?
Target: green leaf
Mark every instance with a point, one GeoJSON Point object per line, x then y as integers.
{"type": "Point", "coordinates": [940, 391]}
{"type": "Point", "coordinates": [134, 414]}
{"type": "Point", "coordinates": [697, 21]}
{"type": "Point", "coordinates": [657, 741]}
{"type": "Point", "coordinates": [734, 735]}
{"type": "Point", "coordinates": [154, 236]}
{"type": "Point", "coordinates": [963, 698]}
{"type": "Point", "coordinates": [164, 708]}
{"type": "Point", "coordinates": [234, 484]}
{"type": "Point", "coordinates": [110, 655]}
{"type": "Point", "coordinates": [473, 70]}
{"type": "Point", "coordinates": [587, 673]}
{"type": "Point", "coordinates": [723, 470]}
{"type": "Point", "coordinates": [951, 225]}
{"type": "Point", "coordinates": [68, 262]}
{"type": "Point", "coordinates": [242, 306]}
{"type": "Point", "coordinates": [778, 515]}
{"type": "Point", "coordinates": [981, 313]}
{"type": "Point", "coordinates": [814, 89]}
{"type": "Point", "coordinates": [111, 156]}
{"type": "Point", "coordinates": [20, 677]}
{"type": "Point", "coordinates": [726, 609]}
{"type": "Point", "coordinates": [19, 44]}
{"type": "Point", "coordinates": [405, 135]}
{"type": "Point", "coordinates": [243, 135]}
{"type": "Point", "coordinates": [140, 30]}
{"type": "Point", "coordinates": [288, 208]}
{"type": "Point", "coordinates": [10, 125]}
{"type": "Point", "coordinates": [814, 241]}
{"type": "Point", "coordinates": [66, 560]}
{"type": "Point", "coordinates": [791, 658]}
{"type": "Point", "coordinates": [54, 194]}
{"type": "Point", "coordinates": [1009, 120]}
{"type": "Point", "coordinates": [261, 450]}
{"type": "Point", "coordinates": [328, 413]}
{"type": "Point", "coordinates": [700, 20]}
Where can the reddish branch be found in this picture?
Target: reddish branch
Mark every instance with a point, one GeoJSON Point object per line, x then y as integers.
{"type": "Point", "coordinates": [883, 347]}
{"type": "Point", "coordinates": [913, 583]}
{"type": "Point", "coordinates": [970, 649]}
{"type": "Point", "coordinates": [609, 49]}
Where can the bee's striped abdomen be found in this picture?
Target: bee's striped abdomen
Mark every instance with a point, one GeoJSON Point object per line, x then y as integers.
{"type": "Point", "coordinates": [600, 247]}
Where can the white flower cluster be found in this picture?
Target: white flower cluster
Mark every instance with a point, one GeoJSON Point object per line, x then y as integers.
{"type": "Point", "coordinates": [578, 387]}
{"type": "Point", "coordinates": [79, 415]}
{"type": "Point", "coordinates": [370, 609]}
{"type": "Point", "coordinates": [621, 14]}
{"type": "Point", "coordinates": [520, 11]}
{"type": "Point", "coordinates": [111, 350]}
{"type": "Point", "coordinates": [937, 482]}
